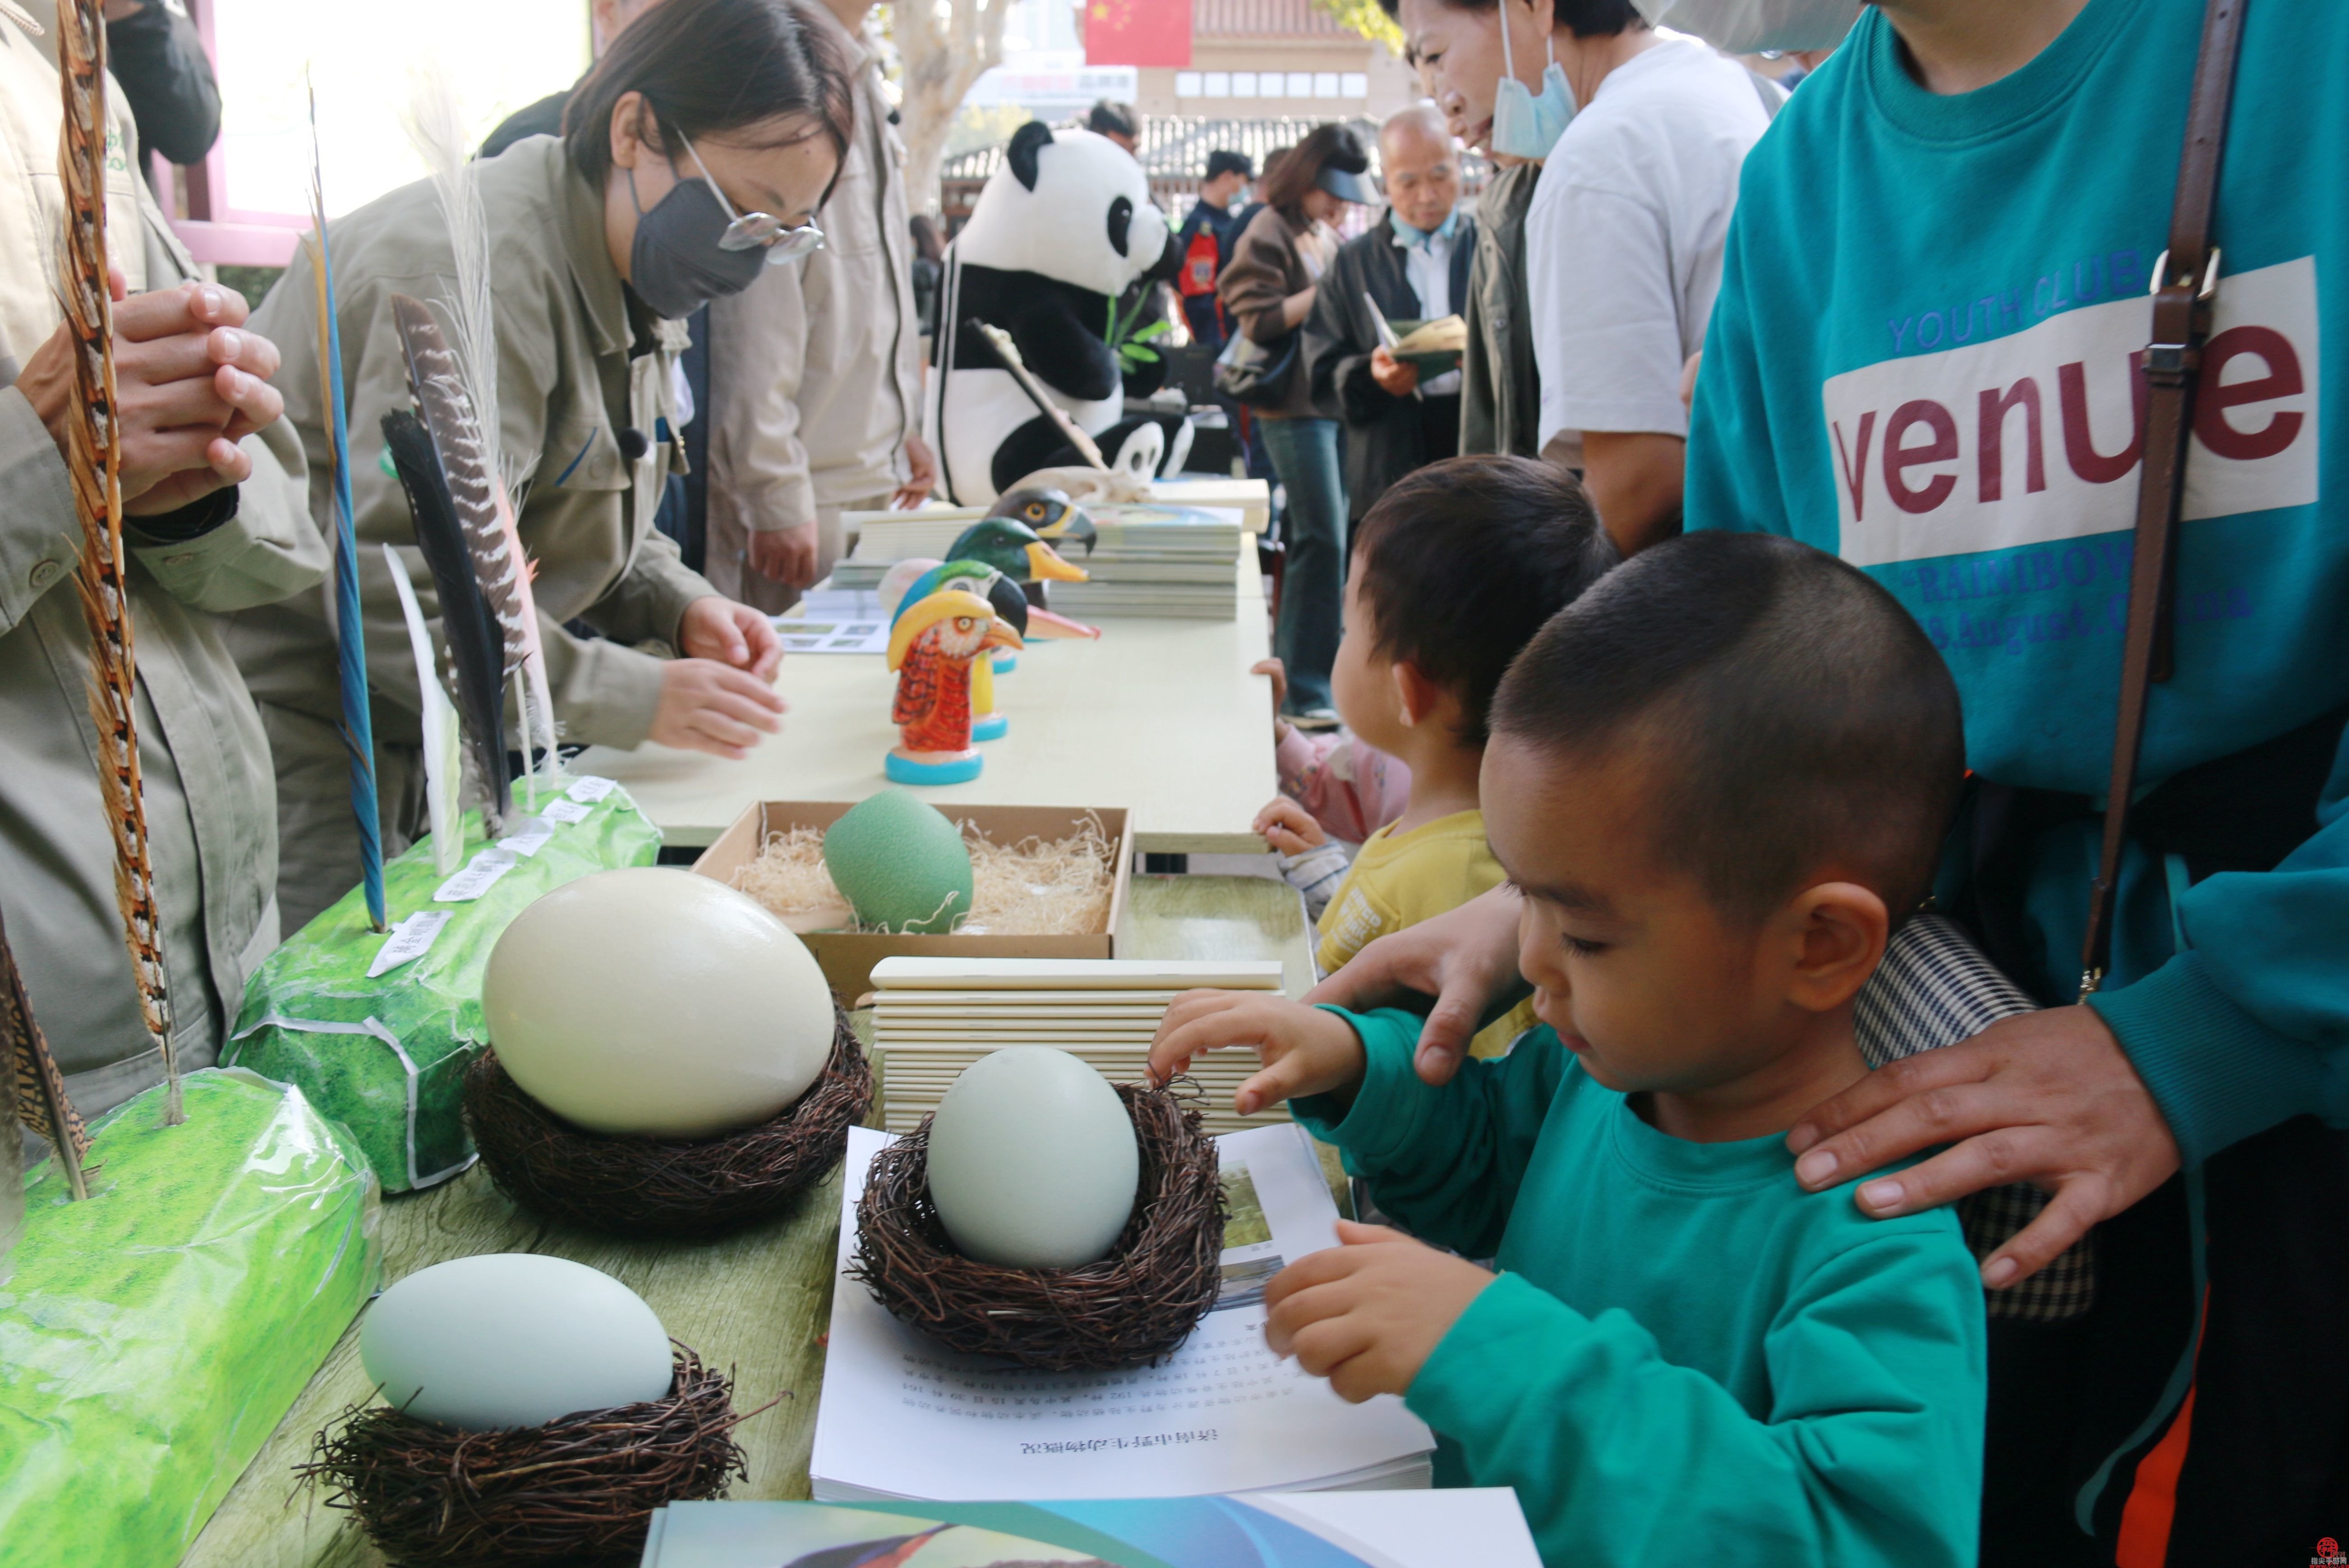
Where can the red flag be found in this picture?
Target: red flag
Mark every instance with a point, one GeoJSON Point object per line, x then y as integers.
{"type": "Point", "coordinates": [1138, 33]}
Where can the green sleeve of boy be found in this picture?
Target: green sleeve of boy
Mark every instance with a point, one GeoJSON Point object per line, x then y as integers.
{"type": "Point", "coordinates": [1443, 1162]}
{"type": "Point", "coordinates": [1871, 1454]}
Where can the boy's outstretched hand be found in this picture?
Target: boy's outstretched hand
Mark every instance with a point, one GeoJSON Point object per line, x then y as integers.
{"type": "Point", "coordinates": [1305, 1050]}
{"type": "Point", "coordinates": [1367, 1314]}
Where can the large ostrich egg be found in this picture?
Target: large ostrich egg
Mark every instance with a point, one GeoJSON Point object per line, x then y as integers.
{"type": "Point", "coordinates": [655, 1003]}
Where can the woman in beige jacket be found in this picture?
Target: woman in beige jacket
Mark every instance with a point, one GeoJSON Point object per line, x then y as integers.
{"type": "Point", "coordinates": [600, 243]}
{"type": "Point", "coordinates": [1268, 290]}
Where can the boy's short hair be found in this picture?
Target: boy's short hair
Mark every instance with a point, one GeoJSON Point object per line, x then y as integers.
{"type": "Point", "coordinates": [1223, 160]}
{"type": "Point", "coordinates": [1462, 560]}
{"type": "Point", "coordinates": [1790, 710]}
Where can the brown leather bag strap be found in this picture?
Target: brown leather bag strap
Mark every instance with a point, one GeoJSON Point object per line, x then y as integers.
{"type": "Point", "coordinates": [2183, 285]}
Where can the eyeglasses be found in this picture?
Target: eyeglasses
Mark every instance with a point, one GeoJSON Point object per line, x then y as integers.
{"type": "Point", "coordinates": [748, 230]}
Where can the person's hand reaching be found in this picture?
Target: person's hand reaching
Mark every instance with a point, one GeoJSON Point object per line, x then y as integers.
{"type": "Point", "coordinates": [1466, 958]}
{"type": "Point", "coordinates": [1368, 1313]}
{"type": "Point", "coordinates": [709, 707]}
{"type": "Point", "coordinates": [1279, 673]}
{"type": "Point", "coordinates": [715, 628]}
{"type": "Point", "coordinates": [1305, 1050]}
{"type": "Point", "coordinates": [1288, 828]}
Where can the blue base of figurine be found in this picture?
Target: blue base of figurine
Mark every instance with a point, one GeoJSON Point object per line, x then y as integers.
{"type": "Point", "coordinates": [989, 726]}
{"type": "Point", "coordinates": [905, 771]}
{"type": "Point", "coordinates": [1006, 661]}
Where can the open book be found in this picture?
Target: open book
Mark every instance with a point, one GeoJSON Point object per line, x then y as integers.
{"type": "Point", "coordinates": [903, 1418]}
{"type": "Point", "coordinates": [1266, 1530]}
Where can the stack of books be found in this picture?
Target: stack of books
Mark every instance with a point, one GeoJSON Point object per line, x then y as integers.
{"type": "Point", "coordinates": [902, 1417]}
{"type": "Point", "coordinates": [1147, 560]}
{"type": "Point", "coordinates": [934, 1016]}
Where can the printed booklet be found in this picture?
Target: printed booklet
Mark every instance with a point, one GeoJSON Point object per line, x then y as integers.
{"type": "Point", "coordinates": [1262, 1530]}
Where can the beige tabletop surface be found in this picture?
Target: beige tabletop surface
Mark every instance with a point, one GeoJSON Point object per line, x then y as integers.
{"type": "Point", "coordinates": [1160, 717]}
{"type": "Point", "coordinates": [756, 1302]}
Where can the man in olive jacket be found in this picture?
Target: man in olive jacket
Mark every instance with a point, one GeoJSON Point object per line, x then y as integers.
{"type": "Point", "coordinates": [199, 543]}
{"type": "Point", "coordinates": [1414, 261]}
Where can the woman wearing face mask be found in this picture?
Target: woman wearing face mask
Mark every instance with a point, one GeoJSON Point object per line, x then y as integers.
{"type": "Point", "coordinates": [692, 156]}
{"type": "Point", "coordinates": [1268, 290]}
{"type": "Point", "coordinates": [1641, 137]}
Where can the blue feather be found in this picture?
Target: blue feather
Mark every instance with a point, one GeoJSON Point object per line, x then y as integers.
{"type": "Point", "coordinates": [350, 624]}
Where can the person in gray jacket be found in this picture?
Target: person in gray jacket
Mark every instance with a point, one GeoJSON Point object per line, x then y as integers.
{"type": "Point", "coordinates": [213, 486]}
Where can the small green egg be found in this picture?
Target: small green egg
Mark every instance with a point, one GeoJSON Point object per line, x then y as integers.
{"type": "Point", "coordinates": [900, 864]}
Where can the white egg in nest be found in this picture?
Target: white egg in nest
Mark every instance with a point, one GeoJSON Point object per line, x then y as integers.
{"type": "Point", "coordinates": [1032, 1160]}
{"type": "Point", "coordinates": [512, 1339]}
{"type": "Point", "coordinates": [653, 1003]}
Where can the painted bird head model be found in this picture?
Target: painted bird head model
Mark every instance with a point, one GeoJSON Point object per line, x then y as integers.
{"type": "Point", "coordinates": [931, 648]}
{"type": "Point", "coordinates": [1012, 548]}
{"type": "Point", "coordinates": [1047, 509]}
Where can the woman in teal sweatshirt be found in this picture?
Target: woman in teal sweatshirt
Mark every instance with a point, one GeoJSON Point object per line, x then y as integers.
{"type": "Point", "coordinates": [1921, 359]}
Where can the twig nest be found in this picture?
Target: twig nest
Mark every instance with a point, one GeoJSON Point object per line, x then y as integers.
{"type": "Point", "coordinates": [666, 1187]}
{"type": "Point", "coordinates": [578, 1491]}
{"type": "Point", "coordinates": [1135, 1306]}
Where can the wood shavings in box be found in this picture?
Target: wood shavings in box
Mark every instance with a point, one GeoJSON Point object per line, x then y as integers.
{"type": "Point", "coordinates": [1030, 887]}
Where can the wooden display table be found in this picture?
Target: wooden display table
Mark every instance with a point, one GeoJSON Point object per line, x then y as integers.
{"type": "Point", "coordinates": [1158, 715]}
{"type": "Point", "coordinates": [756, 1302]}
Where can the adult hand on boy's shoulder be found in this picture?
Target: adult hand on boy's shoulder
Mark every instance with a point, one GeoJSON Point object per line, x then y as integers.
{"type": "Point", "coordinates": [2047, 1098]}
{"type": "Point", "coordinates": [1466, 958]}
{"type": "Point", "coordinates": [1305, 1050]}
{"type": "Point", "coordinates": [1368, 1313]}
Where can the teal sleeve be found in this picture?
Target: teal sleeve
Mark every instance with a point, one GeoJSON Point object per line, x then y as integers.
{"type": "Point", "coordinates": [1871, 1454]}
{"type": "Point", "coordinates": [2249, 1024]}
{"type": "Point", "coordinates": [1443, 1162]}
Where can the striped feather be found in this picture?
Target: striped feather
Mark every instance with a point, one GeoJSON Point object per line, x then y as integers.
{"type": "Point", "coordinates": [476, 675]}
{"type": "Point", "coordinates": [94, 459]}
{"type": "Point", "coordinates": [40, 1089]}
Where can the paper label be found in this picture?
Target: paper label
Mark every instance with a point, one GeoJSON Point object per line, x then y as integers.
{"type": "Point", "coordinates": [409, 940]}
{"type": "Point", "coordinates": [479, 875]}
{"type": "Point", "coordinates": [566, 811]}
{"type": "Point", "coordinates": [591, 788]}
{"type": "Point", "coordinates": [530, 835]}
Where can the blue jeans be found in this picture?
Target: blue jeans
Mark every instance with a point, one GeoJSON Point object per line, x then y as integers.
{"type": "Point", "coordinates": [1313, 579]}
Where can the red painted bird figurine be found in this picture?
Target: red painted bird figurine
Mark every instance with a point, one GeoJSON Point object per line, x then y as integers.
{"type": "Point", "coordinates": [931, 648]}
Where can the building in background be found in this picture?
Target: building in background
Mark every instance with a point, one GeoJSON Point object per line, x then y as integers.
{"type": "Point", "coordinates": [1255, 59]}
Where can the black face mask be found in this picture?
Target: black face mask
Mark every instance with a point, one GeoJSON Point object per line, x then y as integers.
{"type": "Point", "coordinates": [675, 264]}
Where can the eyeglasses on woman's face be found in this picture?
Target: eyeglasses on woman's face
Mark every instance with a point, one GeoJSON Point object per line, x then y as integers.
{"type": "Point", "coordinates": [750, 231]}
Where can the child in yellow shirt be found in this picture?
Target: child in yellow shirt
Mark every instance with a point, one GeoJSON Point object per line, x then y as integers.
{"type": "Point", "coordinates": [1454, 571]}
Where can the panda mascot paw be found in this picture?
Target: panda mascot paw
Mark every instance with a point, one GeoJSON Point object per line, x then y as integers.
{"type": "Point", "coordinates": [1057, 239]}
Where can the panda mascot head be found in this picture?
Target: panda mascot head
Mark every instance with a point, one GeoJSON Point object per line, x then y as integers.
{"type": "Point", "coordinates": [1058, 238]}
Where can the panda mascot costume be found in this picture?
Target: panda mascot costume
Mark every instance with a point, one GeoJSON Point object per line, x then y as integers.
{"type": "Point", "coordinates": [1062, 230]}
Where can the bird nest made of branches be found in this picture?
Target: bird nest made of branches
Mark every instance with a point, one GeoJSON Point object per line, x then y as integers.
{"type": "Point", "coordinates": [577, 1491]}
{"type": "Point", "coordinates": [1135, 1306]}
{"type": "Point", "coordinates": [658, 1186]}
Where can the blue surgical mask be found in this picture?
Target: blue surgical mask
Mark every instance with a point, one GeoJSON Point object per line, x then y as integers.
{"type": "Point", "coordinates": [1525, 125]}
{"type": "Point", "coordinates": [1419, 237]}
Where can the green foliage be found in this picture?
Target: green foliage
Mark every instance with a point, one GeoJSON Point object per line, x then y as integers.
{"type": "Point", "coordinates": [1364, 16]}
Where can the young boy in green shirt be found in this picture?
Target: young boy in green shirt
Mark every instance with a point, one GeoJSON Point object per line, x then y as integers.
{"type": "Point", "coordinates": [1719, 778]}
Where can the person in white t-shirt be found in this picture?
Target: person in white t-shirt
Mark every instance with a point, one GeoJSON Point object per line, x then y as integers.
{"type": "Point", "coordinates": [1623, 253]}
{"type": "Point", "coordinates": [1622, 250]}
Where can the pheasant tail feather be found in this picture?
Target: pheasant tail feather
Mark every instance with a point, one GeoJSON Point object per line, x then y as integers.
{"type": "Point", "coordinates": [95, 456]}
{"type": "Point", "coordinates": [40, 1088]}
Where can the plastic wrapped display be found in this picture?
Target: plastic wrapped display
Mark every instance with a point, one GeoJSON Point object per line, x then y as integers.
{"type": "Point", "coordinates": [378, 1028]}
{"type": "Point", "coordinates": [155, 1334]}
